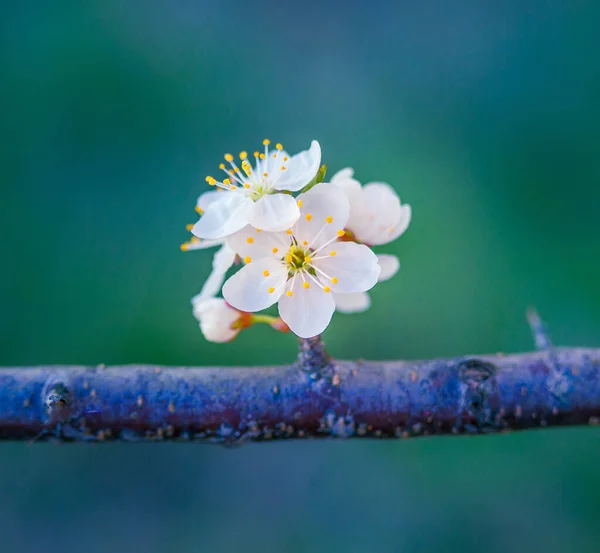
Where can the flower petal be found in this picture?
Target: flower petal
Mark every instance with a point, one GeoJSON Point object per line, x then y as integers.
{"type": "Point", "coordinates": [274, 212]}
{"type": "Point", "coordinates": [353, 191]}
{"type": "Point", "coordinates": [208, 198]}
{"type": "Point", "coordinates": [321, 204]}
{"type": "Point", "coordinates": [222, 261]}
{"type": "Point", "coordinates": [354, 266]}
{"type": "Point", "coordinates": [342, 175]}
{"type": "Point", "coordinates": [300, 169]}
{"type": "Point", "coordinates": [308, 311]}
{"type": "Point", "coordinates": [402, 223]}
{"type": "Point", "coordinates": [248, 289]}
{"type": "Point", "coordinates": [352, 303]}
{"type": "Point", "coordinates": [389, 266]}
{"type": "Point", "coordinates": [198, 244]}
{"type": "Point", "coordinates": [216, 319]}
{"type": "Point", "coordinates": [224, 217]}
{"type": "Point", "coordinates": [253, 243]}
{"type": "Point", "coordinates": [380, 211]}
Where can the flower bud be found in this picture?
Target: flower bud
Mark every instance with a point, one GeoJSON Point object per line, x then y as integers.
{"type": "Point", "coordinates": [217, 319]}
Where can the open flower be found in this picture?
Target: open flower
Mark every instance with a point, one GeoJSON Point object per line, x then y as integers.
{"type": "Point", "coordinates": [251, 196]}
{"type": "Point", "coordinates": [219, 322]}
{"type": "Point", "coordinates": [376, 214]}
{"type": "Point", "coordinates": [302, 267]}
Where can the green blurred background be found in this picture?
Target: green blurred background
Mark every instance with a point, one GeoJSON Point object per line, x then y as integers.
{"type": "Point", "coordinates": [483, 115]}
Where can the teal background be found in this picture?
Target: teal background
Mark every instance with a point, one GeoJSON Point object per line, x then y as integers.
{"type": "Point", "coordinates": [483, 115]}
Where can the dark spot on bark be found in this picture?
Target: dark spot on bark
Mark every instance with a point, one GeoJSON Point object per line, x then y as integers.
{"type": "Point", "coordinates": [476, 370]}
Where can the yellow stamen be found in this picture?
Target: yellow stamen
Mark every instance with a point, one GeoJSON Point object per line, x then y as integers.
{"type": "Point", "coordinates": [246, 186]}
{"type": "Point", "coordinates": [326, 289]}
{"type": "Point", "coordinates": [228, 157]}
{"type": "Point", "coordinates": [334, 280]}
{"type": "Point", "coordinates": [288, 231]}
{"type": "Point", "coordinates": [308, 216]}
{"type": "Point", "coordinates": [184, 247]}
{"type": "Point", "coordinates": [271, 290]}
{"type": "Point", "coordinates": [222, 166]}
{"type": "Point", "coordinates": [243, 155]}
{"type": "Point", "coordinates": [333, 253]}
{"type": "Point", "coordinates": [249, 239]}
{"type": "Point", "coordinates": [208, 179]}
{"type": "Point", "coordinates": [307, 259]}
{"type": "Point", "coordinates": [275, 154]}
{"type": "Point", "coordinates": [340, 233]}
{"type": "Point", "coordinates": [266, 273]}
{"type": "Point", "coordinates": [199, 210]}
{"type": "Point", "coordinates": [265, 174]}
{"type": "Point", "coordinates": [256, 154]}
{"type": "Point", "coordinates": [226, 181]}
{"type": "Point", "coordinates": [232, 187]}
{"type": "Point", "coordinates": [247, 259]}
{"type": "Point", "coordinates": [266, 142]}
{"type": "Point", "coordinates": [305, 285]}
{"type": "Point", "coordinates": [329, 219]}
{"type": "Point", "coordinates": [274, 250]}
{"type": "Point", "coordinates": [299, 203]}
{"type": "Point", "coordinates": [392, 229]}
{"type": "Point", "coordinates": [279, 146]}
{"type": "Point", "coordinates": [289, 293]}
{"type": "Point", "coordinates": [285, 158]}
{"type": "Point", "coordinates": [305, 242]}
{"type": "Point", "coordinates": [282, 168]}
{"type": "Point", "coordinates": [189, 227]}
{"type": "Point", "coordinates": [257, 230]}
{"type": "Point", "coordinates": [288, 258]}
{"type": "Point", "coordinates": [261, 156]}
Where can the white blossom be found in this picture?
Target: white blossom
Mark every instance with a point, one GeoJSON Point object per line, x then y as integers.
{"type": "Point", "coordinates": [216, 318]}
{"type": "Point", "coordinates": [252, 195]}
{"type": "Point", "coordinates": [376, 214]}
{"type": "Point", "coordinates": [302, 268]}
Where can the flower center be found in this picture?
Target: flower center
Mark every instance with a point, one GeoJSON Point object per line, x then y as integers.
{"type": "Point", "coordinates": [298, 259]}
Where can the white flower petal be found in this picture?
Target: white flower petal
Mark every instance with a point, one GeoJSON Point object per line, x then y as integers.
{"type": "Point", "coordinates": [377, 214]}
{"type": "Point", "coordinates": [402, 223]}
{"type": "Point", "coordinates": [317, 205]}
{"type": "Point", "coordinates": [248, 289]}
{"type": "Point", "coordinates": [354, 265]}
{"type": "Point", "coordinates": [342, 175]}
{"type": "Point", "coordinates": [300, 169]}
{"type": "Point", "coordinates": [224, 217]}
{"type": "Point", "coordinates": [354, 193]}
{"type": "Point", "coordinates": [208, 198]}
{"type": "Point", "coordinates": [389, 266]}
{"type": "Point", "coordinates": [272, 165]}
{"type": "Point", "coordinates": [249, 242]}
{"type": "Point", "coordinates": [216, 318]}
{"type": "Point", "coordinates": [222, 261]}
{"type": "Point", "coordinates": [198, 244]}
{"type": "Point", "coordinates": [352, 303]}
{"type": "Point", "coordinates": [308, 311]}
{"type": "Point", "coordinates": [274, 212]}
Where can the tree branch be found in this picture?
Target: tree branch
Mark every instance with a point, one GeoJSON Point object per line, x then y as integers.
{"type": "Point", "coordinates": [316, 396]}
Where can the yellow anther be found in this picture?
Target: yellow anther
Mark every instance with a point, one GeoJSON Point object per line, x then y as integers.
{"type": "Point", "coordinates": [289, 293]}
{"type": "Point", "coordinates": [228, 157]}
{"type": "Point", "coordinates": [305, 285]}
{"type": "Point", "coordinates": [279, 146]}
{"type": "Point", "coordinates": [333, 253]}
{"type": "Point", "coordinates": [199, 210]}
{"type": "Point", "coordinates": [299, 203]}
{"type": "Point", "coordinates": [212, 181]}
{"type": "Point", "coordinates": [271, 290]}
{"type": "Point", "coordinates": [265, 174]}
{"type": "Point", "coordinates": [266, 273]}
{"type": "Point", "coordinates": [208, 179]}
{"type": "Point", "coordinates": [288, 258]}
{"type": "Point", "coordinates": [194, 240]}
{"type": "Point", "coordinates": [307, 259]}
{"type": "Point", "coordinates": [246, 186]}
{"type": "Point", "coordinates": [257, 230]}
{"type": "Point", "coordinates": [275, 154]}
{"type": "Point", "coordinates": [334, 280]}
{"type": "Point", "coordinates": [184, 247]}
{"type": "Point", "coordinates": [222, 166]}
{"type": "Point", "coordinates": [274, 250]}
{"type": "Point", "coordinates": [189, 227]}
{"type": "Point", "coordinates": [392, 229]}
{"type": "Point", "coordinates": [226, 181]}
{"type": "Point", "coordinates": [326, 289]}
{"type": "Point", "coordinates": [285, 158]}
{"type": "Point", "coordinates": [340, 233]}
{"type": "Point", "coordinates": [329, 219]}
{"type": "Point", "coordinates": [261, 156]}
{"type": "Point", "coordinates": [266, 142]}
{"type": "Point", "coordinates": [308, 216]}
{"type": "Point", "coordinates": [283, 168]}
{"type": "Point", "coordinates": [243, 155]}
{"type": "Point", "coordinates": [232, 187]}
{"type": "Point", "coordinates": [236, 169]}
{"type": "Point", "coordinates": [247, 259]}
{"type": "Point", "coordinates": [305, 242]}
{"type": "Point", "coordinates": [289, 231]}
{"type": "Point", "coordinates": [249, 239]}
{"type": "Point", "coordinates": [256, 154]}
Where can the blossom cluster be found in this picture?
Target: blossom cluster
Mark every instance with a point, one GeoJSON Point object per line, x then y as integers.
{"type": "Point", "coordinates": [294, 240]}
